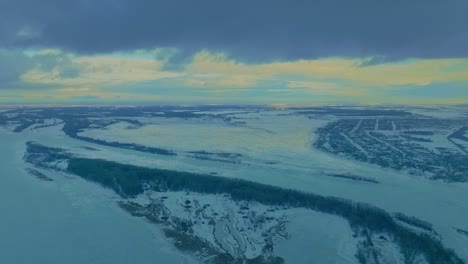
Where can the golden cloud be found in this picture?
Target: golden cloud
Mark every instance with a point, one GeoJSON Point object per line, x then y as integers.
{"type": "Point", "coordinates": [330, 70]}
{"type": "Point", "coordinates": [216, 71]}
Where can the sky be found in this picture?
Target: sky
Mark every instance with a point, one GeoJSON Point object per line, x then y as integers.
{"type": "Point", "coordinates": [315, 52]}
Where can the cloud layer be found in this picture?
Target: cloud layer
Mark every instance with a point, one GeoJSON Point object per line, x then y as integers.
{"type": "Point", "coordinates": [215, 77]}
{"type": "Point", "coordinates": [264, 51]}
{"type": "Point", "coordinates": [262, 30]}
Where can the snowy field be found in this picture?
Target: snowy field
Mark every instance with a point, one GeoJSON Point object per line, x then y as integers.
{"type": "Point", "coordinates": [271, 147]}
{"type": "Point", "coordinates": [244, 229]}
{"type": "Point", "coordinates": [269, 135]}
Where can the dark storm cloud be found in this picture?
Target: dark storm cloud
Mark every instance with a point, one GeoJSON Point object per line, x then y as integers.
{"type": "Point", "coordinates": [254, 30]}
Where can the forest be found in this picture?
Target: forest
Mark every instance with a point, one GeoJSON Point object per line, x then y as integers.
{"type": "Point", "coordinates": [129, 181]}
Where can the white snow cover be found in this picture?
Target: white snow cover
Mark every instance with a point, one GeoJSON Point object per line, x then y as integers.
{"type": "Point", "coordinates": [326, 238]}
{"type": "Point", "coordinates": [276, 149]}
{"type": "Point", "coordinates": [240, 228]}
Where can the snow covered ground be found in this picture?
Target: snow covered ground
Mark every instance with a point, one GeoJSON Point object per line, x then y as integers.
{"type": "Point", "coordinates": [269, 135]}
{"type": "Point", "coordinates": [247, 229]}
{"type": "Point", "coordinates": [278, 151]}
{"type": "Point", "coordinates": [440, 111]}
{"type": "Point", "coordinates": [275, 149]}
{"type": "Point", "coordinates": [325, 237]}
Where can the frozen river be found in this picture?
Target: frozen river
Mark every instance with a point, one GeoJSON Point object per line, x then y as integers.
{"type": "Point", "coordinates": [298, 166]}
{"type": "Point", "coordinates": [68, 220]}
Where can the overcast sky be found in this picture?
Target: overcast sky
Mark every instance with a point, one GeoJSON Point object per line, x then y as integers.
{"type": "Point", "coordinates": [213, 51]}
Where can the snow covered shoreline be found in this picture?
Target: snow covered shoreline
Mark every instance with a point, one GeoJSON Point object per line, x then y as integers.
{"type": "Point", "coordinates": [284, 159]}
